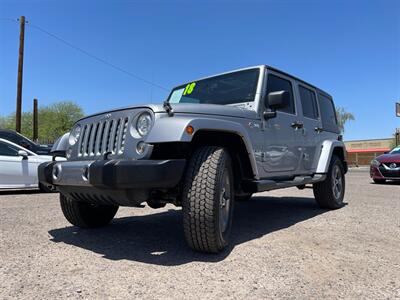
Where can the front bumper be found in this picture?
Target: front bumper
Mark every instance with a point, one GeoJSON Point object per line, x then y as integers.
{"type": "Point", "coordinates": [380, 172]}
{"type": "Point", "coordinates": [113, 174]}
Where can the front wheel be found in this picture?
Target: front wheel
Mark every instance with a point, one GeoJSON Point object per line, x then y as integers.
{"type": "Point", "coordinates": [208, 199]}
{"type": "Point", "coordinates": [86, 215]}
{"type": "Point", "coordinates": [330, 192]}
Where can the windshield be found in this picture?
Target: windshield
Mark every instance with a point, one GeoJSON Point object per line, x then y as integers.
{"type": "Point", "coordinates": [396, 150]}
{"type": "Point", "coordinates": [224, 89]}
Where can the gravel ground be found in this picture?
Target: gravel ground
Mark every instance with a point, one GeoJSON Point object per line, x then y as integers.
{"type": "Point", "coordinates": [284, 246]}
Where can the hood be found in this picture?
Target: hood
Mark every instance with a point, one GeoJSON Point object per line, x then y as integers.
{"type": "Point", "coordinates": [386, 158]}
{"type": "Point", "coordinates": [45, 157]}
{"type": "Point", "coordinates": [238, 111]}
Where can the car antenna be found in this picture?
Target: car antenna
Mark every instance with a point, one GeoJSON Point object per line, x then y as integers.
{"type": "Point", "coordinates": [168, 108]}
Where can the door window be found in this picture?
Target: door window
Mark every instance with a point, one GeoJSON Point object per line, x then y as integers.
{"type": "Point", "coordinates": [8, 150]}
{"type": "Point", "coordinates": [276, 84]}
{"type": "Point", "coordinates": [328, 114]}
{"type": "Point", "coordinates": [308, 103]}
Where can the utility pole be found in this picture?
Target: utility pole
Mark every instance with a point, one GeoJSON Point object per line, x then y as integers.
{"type": "Point", "coordinates": [20, 71]}
{"type": "Point", "coordinates": [35, 120]}
{"type": "Point", "coordinates": [397, 133]}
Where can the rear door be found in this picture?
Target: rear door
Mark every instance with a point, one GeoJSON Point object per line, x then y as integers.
{"type": "Point", "coordinates": [311, 127]}
{"type": "Point", "coordinates": [281, 155]}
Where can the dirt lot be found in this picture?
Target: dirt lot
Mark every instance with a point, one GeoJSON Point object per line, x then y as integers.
{"type": "Point", "coordinates": [284, 246]}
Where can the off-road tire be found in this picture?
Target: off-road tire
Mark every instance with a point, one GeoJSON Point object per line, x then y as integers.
{"type": "Point", "coordinates": [86, 215]}
{"type": "Point", "coordinates": [203, 195]}
{"type": "Point", "coordinates": [379, 181]}
{"type": "Point", "coordinates": [324, 191]}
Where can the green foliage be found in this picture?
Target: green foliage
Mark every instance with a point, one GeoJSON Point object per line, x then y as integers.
{"type": "Point", "coordinates": [54, 120]}
{"type": "Point", "coordinates": [343, 117]}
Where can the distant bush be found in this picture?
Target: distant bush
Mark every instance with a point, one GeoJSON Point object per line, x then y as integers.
{"type": "Point", "coordinates": [54, 120]}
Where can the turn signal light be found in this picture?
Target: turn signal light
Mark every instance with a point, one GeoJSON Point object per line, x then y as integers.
{"type": "Point", "coordinates": [189, 129]}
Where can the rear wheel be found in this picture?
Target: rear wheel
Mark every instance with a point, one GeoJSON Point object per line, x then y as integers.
{"type": "Point", "coordinates": [379, 181]}
{"type": "Point", "coordinates": [208, 199]}
{"type": "Point", "coordinates": [86, 215]}
{"type": "Point", "coordinates": [330, 192]}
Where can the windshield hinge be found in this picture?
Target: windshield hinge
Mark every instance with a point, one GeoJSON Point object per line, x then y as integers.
{"type": "Point", "coordinates": [168, 108]}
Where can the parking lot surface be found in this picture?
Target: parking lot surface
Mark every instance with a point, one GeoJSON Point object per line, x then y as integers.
{"type": "Point", "coordinates": [283, 246]}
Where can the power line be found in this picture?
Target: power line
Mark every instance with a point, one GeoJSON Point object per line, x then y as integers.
{"type": "Point", "coordinates": [95, 57]}
{"type": "Point", "coordinates": [8, 19]}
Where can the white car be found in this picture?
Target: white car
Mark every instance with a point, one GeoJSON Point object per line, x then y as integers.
{"type": "Point", "coordinates": [18, 166]}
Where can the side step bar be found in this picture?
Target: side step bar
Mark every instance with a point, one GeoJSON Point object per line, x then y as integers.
{"type": "Point", "coordinates": [255, 186]}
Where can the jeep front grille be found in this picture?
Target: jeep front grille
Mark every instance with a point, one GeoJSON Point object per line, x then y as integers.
{"type": "Point", "coordinates": [101, 137]}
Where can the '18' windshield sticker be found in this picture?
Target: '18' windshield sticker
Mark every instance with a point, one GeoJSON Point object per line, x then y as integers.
{"type": "Point", "coordinates": [189, 88]}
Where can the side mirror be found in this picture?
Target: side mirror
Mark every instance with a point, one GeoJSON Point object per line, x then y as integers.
{"type": "Point", "coordinates": [23, 153]}
{"type": "Point", "coordinates": [278, 99]}
{"type": "Point", "coordinates": [275, 100]}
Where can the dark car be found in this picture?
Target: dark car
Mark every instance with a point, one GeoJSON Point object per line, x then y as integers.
{"type": "Point", "coordinates": [23, 141]}
{"type": "Point", "coordinates": [386, 166]}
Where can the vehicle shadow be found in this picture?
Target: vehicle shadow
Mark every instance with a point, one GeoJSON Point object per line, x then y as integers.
{"type": "Point", "coordinates": [20, 192]}
{"type": "Point", "coordinates": [389, 182]}
{"type": "Point", "coordinates": [158, 238]}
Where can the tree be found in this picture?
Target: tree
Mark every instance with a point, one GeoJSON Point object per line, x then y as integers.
{"type": "Point", "coordinates": [343, 117]}
{"type": "Point", "coordinates": [54, 120]}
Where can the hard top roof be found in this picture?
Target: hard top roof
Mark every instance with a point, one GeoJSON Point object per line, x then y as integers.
{"type": "Point", "coordinates": [263, 66]}
{"type": "Point", "coordinates": [298, 79]}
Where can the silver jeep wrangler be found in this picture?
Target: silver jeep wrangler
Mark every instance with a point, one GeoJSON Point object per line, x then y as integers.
{"type": "Point", "coordinates": [214, 141]}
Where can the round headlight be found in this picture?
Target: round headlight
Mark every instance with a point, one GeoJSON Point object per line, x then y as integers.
{"type": "Point", "coordinates": [74, 135]}
{"type": "Point", "coordinates": [143, 124]}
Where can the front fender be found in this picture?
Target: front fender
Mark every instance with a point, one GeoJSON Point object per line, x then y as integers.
{"type": "Point", "coordinates": [61, 143]}
{"type": "Point", "coordinates": [326, 154]}
{"type": "Point", "coordinates": [174, 130]}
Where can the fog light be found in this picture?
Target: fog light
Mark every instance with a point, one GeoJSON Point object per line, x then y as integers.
{"type": "Point", "coordinates": [85, 173]}
{"type": "Point", "coordinates": [141, 146]}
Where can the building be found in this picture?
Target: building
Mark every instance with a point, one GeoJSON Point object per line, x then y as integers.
{"type": "Point", "coordinates": [361, 152]}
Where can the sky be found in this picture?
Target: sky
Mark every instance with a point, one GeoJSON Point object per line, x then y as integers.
{"type": "Point", "coordinates": [351, 49]}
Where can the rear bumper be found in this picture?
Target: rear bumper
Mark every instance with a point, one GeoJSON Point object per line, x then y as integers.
{"type": "Point", "coordinates": [113, 174]}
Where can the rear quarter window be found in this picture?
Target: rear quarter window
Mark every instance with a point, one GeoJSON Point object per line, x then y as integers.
{"type": "Point", "coordinates": [328, 114]}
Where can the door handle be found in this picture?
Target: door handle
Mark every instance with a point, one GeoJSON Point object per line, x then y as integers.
{"type": "Point", "coordinates": [318, 129]}
{"type": "Point", "coordinates": [297, 125]}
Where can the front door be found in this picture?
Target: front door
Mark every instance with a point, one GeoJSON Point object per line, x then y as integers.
{"type": "Point", "coordinates": [16, 171]}
{"type": "Point", "coordinates": [281, 155]}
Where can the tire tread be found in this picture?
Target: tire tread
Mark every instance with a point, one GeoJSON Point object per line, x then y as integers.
{"type": "Point", "coordinates": [85, 215]}
{"type": "Point", "coordinates": [199, 199]}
